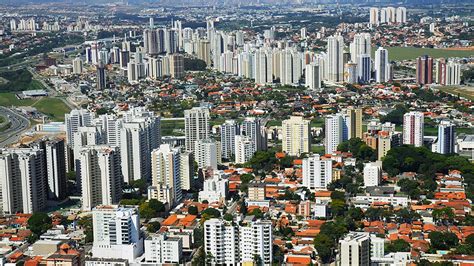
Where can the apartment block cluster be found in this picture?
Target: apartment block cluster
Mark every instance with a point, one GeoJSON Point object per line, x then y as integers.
{"type": "Point", "coordinates": [262, 59]}
{"type": "Point", "coordinates": [440, 71]}
{"type": "Point", "coordinates": [387, 15]}
{"type": "Point", "coordinates": [268, 61]}
{"type": "Point", "coordinates": [23, 24]}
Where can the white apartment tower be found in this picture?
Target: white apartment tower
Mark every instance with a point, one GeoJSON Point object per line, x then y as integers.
{"type": "Point", "coordinates": [401, 15]}
{"type": "Point", "coordinates": [244, 149]}
{"type": "Point", "coordinates": [207, 153]}
{"type": "Point", "coordinates": [75, 119]}
{"type": "Point", "coordinates": [165, 170]}
{"type": "Point", "coordinates": [317, 172]}
{"type": "Point", "coordinates": [372, 174]}
{"type": "Point", "coordinates": [186, 170]}
{"type": "Point", "coordinates": [335, 63]}
{"type": "Point", "coordinates": [228, 131]}
{"type": "Point", "coordinates": [336, 130]}
{"type": "Point", "coordinates": [101, 178]}
{"type": "Point", "coordinates": [354, 249]}
{"type": "Point", "coordinates": [312, 76]}
{"type": "Point", "coordinates": [296, 136]}
{"type": "Point", "coordinates": [382, 66]}
{"type": "Point", "coordinates": [413, 128]}
{"type": "Point", "coordinates": [374, 16]}
{"type": "Point", "coordinates": [231, 244]}
{"type": "Point", "coordinates": [361, 45]}
{"type": "Point", "coordinates": [196, 126]}
{"type": "Point", "coordinates": [253, 128]}
{"type": "Point", "coordinates": [221, 240]}
{"type": "Point", "coordinates": [161, 249]}
{"type": "Point", "coordinates": [22, 180]}
{"type": "Point", "coordinates": [256, 239]}
{"type": "Point", "coordinates": [116, 233]}
{"type": "Point", "coordinates": [135, 152]}
{"type": "Point", "coordinates": [453, 73]}
{"type": "Point", "coordinates": [77, 65]}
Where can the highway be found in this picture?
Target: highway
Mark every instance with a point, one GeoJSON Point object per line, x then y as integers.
{"type": "Point", "coordinates": [19, 124]}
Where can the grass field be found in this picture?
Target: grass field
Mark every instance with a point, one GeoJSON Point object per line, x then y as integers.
{"type": "Point", "coordinates": [52, 107]}
{"type": "Point", "coordinates": [317, 149]}
{"type": "Point", "coordinates": [172, 127]}
{"type": "Point", "coordinates": [9, 99]}
{"type": "Point", "coordinates": [407, 53]}
{"type": "Point", "coordinates": [466, 92]}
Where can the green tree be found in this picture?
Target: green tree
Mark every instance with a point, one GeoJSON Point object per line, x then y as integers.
{"type": "Point", "coordinates": [228, 217]}
{"type": "Point", "coordinates": [211, 213]}
{"type": "Point", "coordinates": [156, 205]}
{"type": "Point", "coordinates": [39, 223]}
{"type": "Point", "coordinates": [443, 240]}
{"type": "Point", "coordinates": [86, 224]}
{"type": "Point", "coordinates": [338, 207]}
{"type": "Point", "coordinates": [324, 245]}
{"type": "Point", "coordinates": [257, 213]}
{"type": "Point", "coordinates": [395, 116]}
{"type": "Point", "coordinates": [398, 245]}
{"type": "Point", "coordinates": [153, 227]}
{"type": "Point", "coordinates": [193, 210]}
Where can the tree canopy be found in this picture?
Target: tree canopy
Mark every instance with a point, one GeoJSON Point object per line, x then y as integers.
{"type": "Point", "coordinates": [426, 163]}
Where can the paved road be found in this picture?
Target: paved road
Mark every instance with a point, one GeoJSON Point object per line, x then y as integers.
{"type": "Point", "coordinates": [19, 124]}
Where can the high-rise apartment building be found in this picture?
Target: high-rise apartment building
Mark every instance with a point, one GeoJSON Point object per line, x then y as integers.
{"type": "Point", "coordinates": [186, 170]}
{"type": "Point", "coordinates": [401, 15]}
{"type": "Point", "coordinates": [372, 173]}
{"type": "Point", "coordinates": [374, 16]}
{"type": "Point", "coordinates": [232, 244]}
{"type": "Point", "coordinates": [381, 65]}
{"type": "Point", "coordinates": [317, 172]}
{"type": "Point", "coordinates": [353, 118]}
{"type": "Point", "coordinates": [176, 66]}
{"type": "Point", "coordinates": [296, 136]}
{"type": "Point", "coordinates": [56, 168]}
{"type": "Point", "coordinates": [312, 76]}
{"type": "Point", "coordinates": [361, 45]}
{"type": "Point", "coordinates": [413, 128]}
{"type": "Point", "coordinates": [116, 233]}
{"type": "Point", "coordinates": [166, 171]}
{"type": "Point", "coordinates": [75, 119]}
{"type": "Point", "coordinates": [207, 153]}
{"type": "Point", "coordinates": [23, 180]}
{"type": "Point", "coordinates": [77, 65]}
{"type": "Point", "coordinates": [354, 249]}
{"type": "Point", "coordinates": [446, 138]}
{"type": "Point", "coordinates": [335, 64]}
{"type": "Point", "coordinates": [364, 68]}
{"type": "Point", "coordinates": [244, 149]}
{"type": "Point", "coordinates": [196, 126]}
{"type": "Point", "coordinates": [253, 128]}
{"type": "Point", "coordinates": [101, 77]}
{"type": "Point", "coordinates": [336, 130]}
{"type": "Point", "coordinates": [229, 130]}
{"type": "Point", "coordinates": [101, 178]}
{"type": "Point", "coordinates": [424, 70]}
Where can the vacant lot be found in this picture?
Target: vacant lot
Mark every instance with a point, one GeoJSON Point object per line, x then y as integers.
{"type": "Point", "coordinates": [52, 107]}
{"type": "Point", "coordinates": [466, 92]}
{"type": "Point", "coordinates": [407, 53]}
